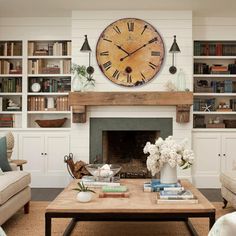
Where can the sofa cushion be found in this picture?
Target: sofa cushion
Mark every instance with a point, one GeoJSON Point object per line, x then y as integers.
{"type": "Point", "coordinates": [11, 183]}
{"type": "Point", "coordinates": [4, 164]}
{"type": "Point", "coordinates": [228, 180]}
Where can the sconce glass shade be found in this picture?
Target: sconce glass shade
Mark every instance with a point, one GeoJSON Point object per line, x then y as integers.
{"type": "Point", "coordinates": [174, 48]}
{"type": "Point", "coordinates": [85, 47]}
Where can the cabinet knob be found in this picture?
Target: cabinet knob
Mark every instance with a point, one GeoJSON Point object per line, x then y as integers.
{"type": "Point", "coordinates": [45, 153]}
{"type": "Point", "coordinates": [219, 155]}
{"type": "Point", "coordinates": [224, 155]}
{"type": "Point", "coordinates": [41, 153]}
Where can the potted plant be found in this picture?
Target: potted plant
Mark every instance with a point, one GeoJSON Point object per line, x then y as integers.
{"type": "Point", "coordinates": [165, 155]}
{"type": "Point", "coordinates": [84, 193]}
{"type": "Point", "coordinates": [81, 79]}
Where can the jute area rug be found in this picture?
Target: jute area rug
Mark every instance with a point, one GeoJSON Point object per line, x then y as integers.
{"type": "Point", "coordinates": [33, 225]}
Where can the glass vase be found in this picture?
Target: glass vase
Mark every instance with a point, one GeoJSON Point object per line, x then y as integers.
{"type": "Point", "coordinates": [181, 81]}
{"type": "Point", "coordinates": [76, 83]}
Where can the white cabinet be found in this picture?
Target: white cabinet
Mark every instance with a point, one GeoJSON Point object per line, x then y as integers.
{"type": "Point", "coordinates": [45, 158]}
{"type": "Point", "coordinates": [214, 153]}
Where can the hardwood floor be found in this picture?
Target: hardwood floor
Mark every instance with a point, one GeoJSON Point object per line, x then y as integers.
{"type": "Point", "coordinates": [49, 194]}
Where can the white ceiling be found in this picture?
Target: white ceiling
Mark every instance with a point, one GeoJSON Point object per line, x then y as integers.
{"type": "Point", "coordinates": [63, 8]}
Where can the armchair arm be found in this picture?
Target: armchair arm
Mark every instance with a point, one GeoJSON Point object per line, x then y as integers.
{"type": "Point", "coordinates": [13, 166]}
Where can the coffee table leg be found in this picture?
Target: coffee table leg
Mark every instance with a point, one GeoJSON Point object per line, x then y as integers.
{"type": "Point", "coordinates": [48, 225]}
{"type": "Point", "coordinates": [70, 227]}
{"type": "Point", "coordinates": [191, 228]}
{"type": "Point", "coordinates": [212, 220]}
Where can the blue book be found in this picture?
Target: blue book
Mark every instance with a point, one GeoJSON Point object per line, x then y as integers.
{"type": "Point", "coordinates": [155, 186]}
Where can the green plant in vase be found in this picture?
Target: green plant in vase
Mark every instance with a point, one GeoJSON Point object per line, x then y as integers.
{"type": "Point", "coordinates": [82, 81]}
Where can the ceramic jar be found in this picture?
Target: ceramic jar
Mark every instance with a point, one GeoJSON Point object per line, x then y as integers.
{"type": "Point", "coordinates": [168, 174]}
{"type": "Point", "coordinates": [84, 196]}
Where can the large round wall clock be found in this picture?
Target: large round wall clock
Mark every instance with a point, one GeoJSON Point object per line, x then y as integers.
{"type": "Point", "coordinates": [130, 52]}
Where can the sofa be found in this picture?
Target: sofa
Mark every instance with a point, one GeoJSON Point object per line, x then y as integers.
{"type": "Point", "coordinates": [15, 193]}
{"type": "Point", "coordinates": [228, 187]}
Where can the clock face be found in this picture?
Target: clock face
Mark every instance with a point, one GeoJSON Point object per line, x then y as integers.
{"type": "Point", "coordinates": [130, 52]}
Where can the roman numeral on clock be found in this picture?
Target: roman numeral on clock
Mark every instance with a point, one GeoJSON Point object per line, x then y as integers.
{"type": "Point", "coordinates": [155, 53]}
{"type": "Point", "coordinates": [116, 74]}
{"type": "Point", "coordinates": [153, 66]}
{"type": "Point", "coordinates": [116, 28]}
{"type": "Point", "coordinates": [108, 40]}
{"type": "Point", "coordinates": [144, 28]}
{"type": "Point", "coordinates": [129, 78]}
{"type": "Point", "coordinates": [153, 40]}
{"type": "Point", "coordinates": [143, 76]}
{"type": "Point", "coordinates": [130, 26]}
{"type": "Point", "coordinates": [107, 65]}
{"type": "Point", "coordinates": [106, 53]}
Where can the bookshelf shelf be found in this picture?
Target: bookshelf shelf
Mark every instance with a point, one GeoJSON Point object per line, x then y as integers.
{"type": "Point", "coordinates": [214, 76]}
{"type": "Point", "coordinates": [49, 112]}
{"type": "Point", "coordinates": [11, 57]}
{"type": "Point", "coordinates": [215, 57]}
{"type": "Point", "coordinates": [215, 94]}
{"type": "Point", "coordinates": [10, 112]}
{"type": "Point", "coordinates": [11, 75]}
{"type": "Point", "coordinates": [48, 94]}
{"type": "Point", "coordinates": [49, 75]}
{"type": "Point", "coordinates": [10, 94]}
{"type": "Point", "coordinates": [214, 113]}
{"type": "Point", "coordinates": [49, 57]}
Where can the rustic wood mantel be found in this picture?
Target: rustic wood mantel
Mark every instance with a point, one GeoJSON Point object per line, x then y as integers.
{"type": "Point", "coordinates": [80, 100]}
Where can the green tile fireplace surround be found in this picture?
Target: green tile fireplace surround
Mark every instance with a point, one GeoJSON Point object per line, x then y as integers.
{"type": "Point", "coordinates": [98, 125]}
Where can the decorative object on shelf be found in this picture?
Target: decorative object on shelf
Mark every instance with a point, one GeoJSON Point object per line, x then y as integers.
{"type": "Point", "coordinates": [85, 194]}
{"type": "Point", "coordinates": [35, 87]}
{"type": "Point", "coordinates": [82, 81]}
{"type": "Point", "coordinates": [10, 144]}
{"type": "Point", "coordinates": [51, 123]}
{"type": "Point", "coordinates": [223, 107]}
{"type": "Point", "coordinates": [181, 81]}
{"type": "Point", "coordinates": [130, 52]}
{"type": "Point", "coordinates": [165, 155]}
{"type": "Point", "coordinates": [12, 106]}
{"type": "Point", "coordinates": [76, 169]}
{"type": "Point", "coordinates": [174, 49]}
{"type": "Point", "coordinates": [50, 103]}
{"type": "Point", "coordinates": [86, 48]}
{"type": "Point", "coordinates": [103, 172]}
{"type": "Point", "coordinates": [170, 86]}
{"type": "Point", "coordinates": [206, 108]}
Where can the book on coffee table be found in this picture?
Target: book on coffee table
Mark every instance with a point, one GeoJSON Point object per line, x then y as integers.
{"type": "Point", "coordinates": [173, 200]}
{"type": "Point", "coordinates": [184, 194]}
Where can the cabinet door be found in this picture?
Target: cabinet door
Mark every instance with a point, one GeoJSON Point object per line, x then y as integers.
{"type": "Point", "coordinates": [31, 148]}
{"type": "Point", "coordinates": [206, 169]}
{"type": "Point", "coordinates": [228, 152]}
{"type": "Point", "coordinates": [56, 147]}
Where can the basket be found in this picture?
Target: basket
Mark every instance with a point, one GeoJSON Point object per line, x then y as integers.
{"type": "Point", "coordinates": [51, 123]}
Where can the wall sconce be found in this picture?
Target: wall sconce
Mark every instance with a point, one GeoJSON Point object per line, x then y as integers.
{"type": "Point", "coordinates": [86, 48]}
{"type": "Point", "coordinates": [174, 49]}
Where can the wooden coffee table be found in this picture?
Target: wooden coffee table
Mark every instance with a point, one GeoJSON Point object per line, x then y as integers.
{"type": "Point", "coordinates": [140, 206]}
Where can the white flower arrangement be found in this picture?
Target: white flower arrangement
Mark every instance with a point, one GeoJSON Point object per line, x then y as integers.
{"type": "Point", "coordinates": [168, 151]}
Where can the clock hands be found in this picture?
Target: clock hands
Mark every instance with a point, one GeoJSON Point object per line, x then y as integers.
{"type": "Point", "coordinates": [149, 42]}
{"type": "Point", "coordinates": [122, 49]}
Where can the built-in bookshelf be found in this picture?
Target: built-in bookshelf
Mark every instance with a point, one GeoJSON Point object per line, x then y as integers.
{"type": "Point", "coordinates": [36, 81]}
{"type": "Point", "coordinates": [11, 69]}
{"type": "Point", "coordinates": [49, 80]}
{"type": "Point", "coordinates": [214, 84]}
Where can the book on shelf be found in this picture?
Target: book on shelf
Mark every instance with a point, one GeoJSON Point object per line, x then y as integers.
{"type": "Point", "coordinates": [7, 121]}
{"type": "Point", "coordinates": [10, 67]}
{"type": "Point", "coordinates": [10, 85]}
{"type": "Point", "coordinates": [62, 48]}
{"type": "Point", "coordinates": [10, 48]}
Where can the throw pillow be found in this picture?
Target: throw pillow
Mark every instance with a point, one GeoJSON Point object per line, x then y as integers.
{"type": "Point", "coordinates": [1, 173]}
{"type": "Point", "coordinates": [4, 164]}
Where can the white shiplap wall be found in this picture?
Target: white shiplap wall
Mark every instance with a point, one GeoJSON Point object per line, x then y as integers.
{"type": "Point", "coordinates": [168, 23]}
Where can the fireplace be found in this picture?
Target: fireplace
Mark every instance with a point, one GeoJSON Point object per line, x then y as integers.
{"type": "Point", "coordinates": [121, 141]}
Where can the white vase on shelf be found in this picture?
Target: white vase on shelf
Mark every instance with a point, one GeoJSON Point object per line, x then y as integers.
{"type": "Point", "coordinates": [168, 174]}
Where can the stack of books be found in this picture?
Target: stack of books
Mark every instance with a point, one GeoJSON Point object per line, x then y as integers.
{"type": "Point", "coordinates": [6, 121]}
{"type": "Point", "coordinates": [172, 196]}
{"type": "Point", "coordinates": [156, 186]}
{"type": "Point", "coordinates": [91, 182]}
{"type": "Point", "coordinates": [219, 69]}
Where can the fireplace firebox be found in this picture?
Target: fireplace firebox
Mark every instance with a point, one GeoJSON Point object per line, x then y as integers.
{"type": "Point", "coordinates": [121, 141]}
